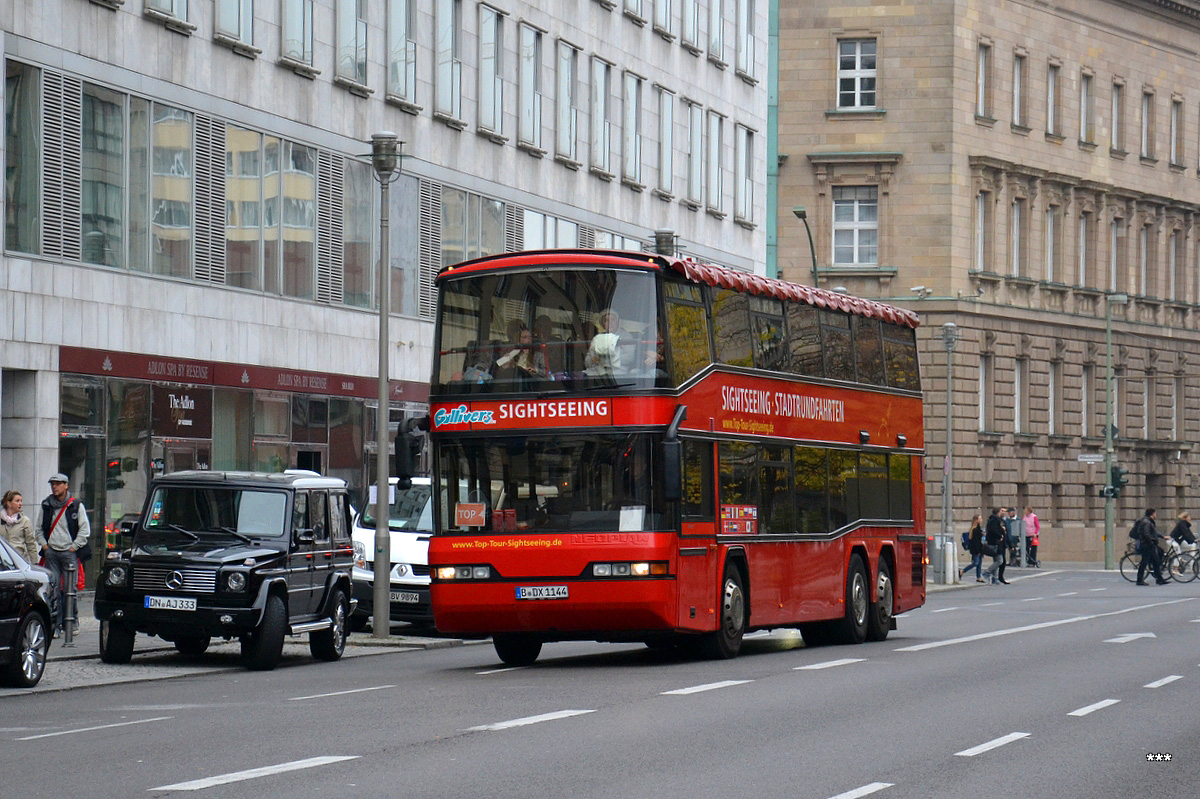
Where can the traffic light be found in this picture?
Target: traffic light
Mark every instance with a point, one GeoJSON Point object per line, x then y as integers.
{"type": "Point", "coordinates": [1117, 479]}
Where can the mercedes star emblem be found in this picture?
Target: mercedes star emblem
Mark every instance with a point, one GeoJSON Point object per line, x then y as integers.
{"type": "Point", "coordinates": [175, 580]}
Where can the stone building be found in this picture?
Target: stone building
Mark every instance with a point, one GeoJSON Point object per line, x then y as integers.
{"type": "Point", "coordinates": [1029, 171]}
{"type": "Point", "coordinates": [191, 219]}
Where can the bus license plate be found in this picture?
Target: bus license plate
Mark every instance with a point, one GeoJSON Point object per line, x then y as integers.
{"type": "Point", "coordinates": [405, 596]}
{"type": "Point", "coordinates": [170, 603]}
{"type": "Point", "coordinates": [541, 592]}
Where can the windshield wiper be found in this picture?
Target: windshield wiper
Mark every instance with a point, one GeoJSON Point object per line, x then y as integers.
{"type": "Point", "coordinates": [188, 533]}
{"type": "Point", "coordinates": [236, 534]}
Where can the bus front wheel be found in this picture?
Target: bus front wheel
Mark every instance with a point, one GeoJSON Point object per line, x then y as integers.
{"type": "Point", "coordinates": [515, 649]}
{"type": "Point", "coordinates": [726, 642]}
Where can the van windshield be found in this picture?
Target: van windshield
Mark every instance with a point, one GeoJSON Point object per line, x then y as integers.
{"type": "Point", "coordinates": [409, 511]}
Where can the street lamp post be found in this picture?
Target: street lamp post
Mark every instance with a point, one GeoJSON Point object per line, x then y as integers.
{"type": "Point", "coordinates": [385, 158]}
{"type": "Point", "coordinates": [802, 215]}
{"type": "Point", "coordinates": [949, 340]}
{"type": "Point", "coordinates": [1111, 299]}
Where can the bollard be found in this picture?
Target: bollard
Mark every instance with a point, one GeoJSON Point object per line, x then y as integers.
{"type": "Point", "coordinates": [950, 561]}
{"type": "Point", "coordinates": [69, 602]}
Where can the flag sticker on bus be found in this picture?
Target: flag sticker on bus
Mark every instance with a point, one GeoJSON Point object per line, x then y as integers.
{"type": "Point", "coordinates": [739, 519]}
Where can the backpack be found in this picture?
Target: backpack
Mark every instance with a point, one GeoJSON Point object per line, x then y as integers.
{"type": "Point", "coordinates": [966, 542]}
{"type": "Point", "coordinates": [1133, 532]}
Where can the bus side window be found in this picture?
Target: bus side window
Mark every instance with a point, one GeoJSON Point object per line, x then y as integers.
{"type": "Point", "coordinates": [804, 340]}
{"type": "Point", "coordinates": [697, 480]}
{"type": "Point", "coordinates": [731, 327]}
{"type": "Point", "coordinates": [868, 348]}
{"type": "Point", "coordinates": [687, 332]}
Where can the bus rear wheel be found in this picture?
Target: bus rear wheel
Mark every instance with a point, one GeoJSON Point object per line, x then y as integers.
{"type": "Point", "coordinates": [852, 628]}
{"type": "Point", "coordinates": [726, 642]}
{"type": "Point", "coordinates": [516, 649]}
{"type": "Point", "coordinates": [879, 622]}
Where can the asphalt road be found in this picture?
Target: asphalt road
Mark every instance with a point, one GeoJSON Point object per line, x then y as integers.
{"type": "Point", "coordinates": [1059, 685]}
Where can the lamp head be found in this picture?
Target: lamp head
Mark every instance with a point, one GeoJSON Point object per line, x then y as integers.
{"type": "Point", "coordinates": [385, 154]}
{"type": "Point", "coordinates": [799, 211]}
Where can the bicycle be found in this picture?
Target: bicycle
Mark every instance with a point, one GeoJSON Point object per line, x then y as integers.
{"type": "Point", "coordinates": [1185, 566]}
{"type": "Point", "coordinates": [1172, 568]}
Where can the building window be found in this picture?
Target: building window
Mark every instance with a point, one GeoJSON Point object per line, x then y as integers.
{"type": "Point", "coordinates": [447, 104]}
{"type": "Point", "coordinates": [1087, 102]}
{"type": "Point", "coordinates": [745, 38]}
{"type": "Point", "coordinates": [666, 142]}
{"type": "Point", "coordinates": [402, 51]}
{"type": "Point", "coordinates": [566, 135]}
{"type": "Point", "coordinates": [1147, 125]}
{"type": "Point", "coordinates": [491, 86]}
{"type": "Point", "coordinates": [235, 18]}
{"type": "Point", "coordinates": [856, 73]}
{"type": "Point", "coordinates": [1083, 249]}
{"type": "Point", "coordinates": [103, 177]}
{"type": "Point", "coordinates": [352, 41]}
{"type": "Point", "coordinates": [983, 231]}
{"type": "Point", "coordinates": [1018, 94]}
{"type": "Point", "coordinates": [631, 131]}
{"type": "Point", "coordinates": [298, 31]}
{"type": "Point", "coordinates": [161, 188]}
{"type": "Point", "coordinates": [855, 226]}
{"type": "Point", "coordinates": [1087, 388]}
{"type": "Point", "coordinates": [1177, 406]}
{"type": "Point", "coordinates": [743, 175]}
{"type": "Point", "coordinates": [1053, 121]}
{"type": "Point", "coordinates": [633, 8]}
{"type": "Point", "coordinates": [1116, 258]}
{"type": "Point", "coordinates": [243, 194]}
{"type": "Point", "coordinates": [599, 124]}
{"type": "Point", "coordinates": [1148, 409]}
{"type": "Point", "coordinates": [662, 18]}
{"type": "Point", "coordinates": [1016, 241]}
{"type": "Point", "coordinates": [695, 154]}
{"type": "Point", "coordinates": [1118, 116]}
{"type": "Point", "coordinates": [289, 218]}
{"type": "Point", "coordinates": [986, 391]}
{"type": "Point", "coordinates": [1144, 260]}
{"type": "Point", "coordinates": [1020, 395]}
{"type": "Point", "coordinates": [983, 80]}
{"type": "Point", "coordinates": [716, 31]}
{"type": "Point", "coordinates": [712, 159]}
{"type": "Point", "coordinates": [1176, 132]}
{"type": "Point", "coordinates": [1050, 254]}
{"type": "Point", "coordinates": [543, 231]}
{"type": "Point", "coordinates": [1054, 395]}
{"type": "Point", "coordinates": [690, 18]}
{"type": "Point", "coordinates": [174, 8]}
{"type": "Point", "coordinates": [531, 87]}
{"type": "Point", "coordinates": [473, 226]}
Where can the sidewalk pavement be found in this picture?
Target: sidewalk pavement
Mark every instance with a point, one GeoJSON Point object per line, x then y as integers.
{"type": "Point", "coordinates": [1015, 571]}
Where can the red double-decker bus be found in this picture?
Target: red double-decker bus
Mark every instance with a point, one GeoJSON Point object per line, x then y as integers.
{"type": "Point", "coordinates": [638, 447]}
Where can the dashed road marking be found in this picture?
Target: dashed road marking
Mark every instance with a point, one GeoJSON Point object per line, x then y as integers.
{"type": "Point", "coordinates": [865, 790]}
{"type": "Point", "coordinates": [1083, 711]}
{"type": "Point", "coordinates": [1163, 681]}
{"type": "Point", "coordinates": [340, 693]}
{"type": "Point", "coordinates": [828, 664]}
{"type": "Point", "coordinates": [254, 773]}
{"type": "Point", "coordinates": [527, 720]}
{"type": "Point", "coordinates": [92, 729]}
{"type": "Point", "coordinates": [712, 686]}
{"type": "Point", "coordinates": [992, 744]}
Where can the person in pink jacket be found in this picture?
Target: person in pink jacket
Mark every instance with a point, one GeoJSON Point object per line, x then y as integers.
{"type": "Point", "coordinates": [1032, 527]}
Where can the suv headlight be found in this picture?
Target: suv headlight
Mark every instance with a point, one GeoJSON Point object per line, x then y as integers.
{"type": "Point", "coordinates": [235, 582]}
{"type": "Point", "coordinates": [116, 576]}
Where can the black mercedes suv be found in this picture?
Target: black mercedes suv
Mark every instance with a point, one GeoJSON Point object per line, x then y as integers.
{"type": "Point", "coordinates": [227, 555]}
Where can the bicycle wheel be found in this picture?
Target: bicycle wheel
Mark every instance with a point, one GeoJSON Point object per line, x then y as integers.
{"type": "Point", "coordinates": [1170, 566]}
{"type": "Point", "coordinates": [1189, 567]}
{"type": "Point", "coordinates": [1129, 566]}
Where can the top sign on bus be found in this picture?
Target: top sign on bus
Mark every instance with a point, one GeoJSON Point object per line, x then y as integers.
{"type": "Point", "coordinates": [1090, 457]}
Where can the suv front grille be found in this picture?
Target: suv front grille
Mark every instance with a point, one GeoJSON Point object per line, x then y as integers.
{"type": "Point", "coordinates": [154, 578]}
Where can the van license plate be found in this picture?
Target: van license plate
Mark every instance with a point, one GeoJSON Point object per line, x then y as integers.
{"type": "Point", "coordinates": [170, 603]}
{"type": "Point", "coordinates": [408, 597]}
{"type": "Point", "coordinates": [541, 592]}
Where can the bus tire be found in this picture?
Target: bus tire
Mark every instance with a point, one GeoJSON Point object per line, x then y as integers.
{"type": "Point", "coordinates": [726, 642]}
{"type": "Point", "coordinates": [879, 620]}
{"type": "Point", "coordinates": [852, 628]}
{"type": "Point", "coordinates": [516, 649]}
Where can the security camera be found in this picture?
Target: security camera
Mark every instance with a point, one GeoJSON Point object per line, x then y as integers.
{"type": "Point", "coordinates": [917, 289]}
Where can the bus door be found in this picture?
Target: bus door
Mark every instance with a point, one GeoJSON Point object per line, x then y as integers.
{"type": "Point", "coordinates": [697, 562]}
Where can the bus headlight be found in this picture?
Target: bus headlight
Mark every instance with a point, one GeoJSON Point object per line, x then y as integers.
{"type": "Point", "coordinates": [463, 572]}
{"type": "Point", "coordinates": [635, 569]}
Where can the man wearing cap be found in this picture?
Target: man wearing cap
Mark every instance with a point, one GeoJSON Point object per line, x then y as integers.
{"type": "Point", "coordinates": [65, 528]}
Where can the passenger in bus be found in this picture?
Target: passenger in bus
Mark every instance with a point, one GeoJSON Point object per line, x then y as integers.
{"type": "Point", "coordinates": [604, 353]}
{"type": "Point", "coordinates": [651, 361]}
{"type": "Point", "coordinates": [553, 347]}
{"type": "Point", "coordinates": [478, 363]}
{"type": "Point", "coordinates": [524, 359]}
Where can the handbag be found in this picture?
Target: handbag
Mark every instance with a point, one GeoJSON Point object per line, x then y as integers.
{"type": "Point", "coordinates": [84, 553]}
{"type": "Point", "coordinates": [990, 550]}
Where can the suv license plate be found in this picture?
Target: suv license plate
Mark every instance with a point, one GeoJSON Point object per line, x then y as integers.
{"type": "Point", "coordinates": [170, 603]}
{"type": "Point", "coordinates": [541, 592]}
{"type": "Point", "coordinates": [405, 596]}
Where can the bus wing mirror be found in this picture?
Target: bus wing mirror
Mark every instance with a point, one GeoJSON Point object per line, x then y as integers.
{"type": "Point", "coordinates": [672, 470]}
{"type": "Point", "coordinates": [408, 450]}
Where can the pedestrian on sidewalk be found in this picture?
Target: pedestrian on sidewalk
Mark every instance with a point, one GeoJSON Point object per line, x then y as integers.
{"type": "Point", "coordinates": [18, 528]}
{"type": "Point", "coordinates": [1148, 537]}
{"type": "Point", "coordinates": [1032, 528]}
{"type": "Point", "coordinates": [65, 529]}
{"type": "Point", "coordinates": [994, 545]}
{"type": "Point", "coordinates": [975, 547]}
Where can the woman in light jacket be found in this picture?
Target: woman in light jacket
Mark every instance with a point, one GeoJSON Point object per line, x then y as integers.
{"type": "Point", "coordinates": [18, 528]}
{"type": "Point", "coordinates": [1032, 528]}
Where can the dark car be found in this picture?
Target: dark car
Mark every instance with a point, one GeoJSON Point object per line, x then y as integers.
{"type": "Point", "coordinates": [24, 619]}
{"type": "Point", "coordinates": [233, 555]}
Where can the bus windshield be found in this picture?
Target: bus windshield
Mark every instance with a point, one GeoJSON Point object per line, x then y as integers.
{"type": "Point", "coordinates": [549, 330]}
{"type": "Point", "coordinates": [551, 484]}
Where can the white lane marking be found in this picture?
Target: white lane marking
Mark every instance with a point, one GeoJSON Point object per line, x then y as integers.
{"type": "Point", "coordinates": [254, 773]}
{"type": "Point", "coordinates": [1163, 681]}
{"type": "Point", "coordinates": [944, 610]}
{"type": "Point", "coordinates": [340, 693]}
{"type": "Point", "coordinates": [828, 664]}
{"type": "Point", "coordinates": [1195, 621]}
{"type": "Point", "coordinates": [1097, 589]}
{"type": "Point", "coordinates": [506, 725]}
{"type": "Point", "coordinates": [499, 671]}
{"type": "Point", "coordinates": [993, 744]}
{"type": "Point", "coordinates": [712, 686]}
{"type": "Point", "coordinates": [1083, 711]}
{"type": "Point", "coordinates": [1034, 599]}
{"type": "Point", "coordinates": [1069, 593]}
{"type": "Point", "coordinates": [1127, 637]}
{"type": "Point", "coordinates": [863, 791]}
{"type": "Point", "coordinates": [91, 729]}
{"type": "Point", "coordinates": [1039, 626]}
{"type": "Point", "coordinates": [990, 604]}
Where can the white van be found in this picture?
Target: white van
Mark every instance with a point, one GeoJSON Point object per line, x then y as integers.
{"type": "Point", "coordinates": [411, 523]}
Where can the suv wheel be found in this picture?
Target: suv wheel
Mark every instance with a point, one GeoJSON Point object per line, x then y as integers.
{"type": "Point", "coordinates": [330, 643]}
{"type": "Point", "coordinates": [116, 642]}
{"type": "Point", "coordinates": [263, 647]}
